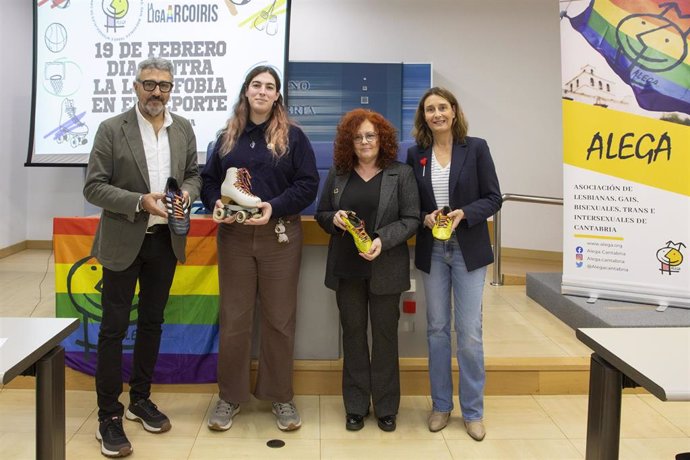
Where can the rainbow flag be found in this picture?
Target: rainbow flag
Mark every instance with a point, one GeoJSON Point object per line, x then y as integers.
{"type": "Point", "coordinates": [189, 345]}
{"type": "Point", "coordinates": [646, 43]}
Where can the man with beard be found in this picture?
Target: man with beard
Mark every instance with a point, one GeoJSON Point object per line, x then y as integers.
{"type": "Point", "coordinates": [133, 156]}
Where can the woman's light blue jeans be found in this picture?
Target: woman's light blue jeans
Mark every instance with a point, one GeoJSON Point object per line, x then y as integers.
{"type": "Point", "coordinates": [448, 271]}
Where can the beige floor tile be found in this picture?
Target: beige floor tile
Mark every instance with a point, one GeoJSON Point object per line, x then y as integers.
{"type": "Point", "coordinates": [145, 446]}
{"type": "Point", "coordinates": [677, 412]}
{"type": "Point", "coordinates": [21, 404]}
{"type": "Point", "coordinates": [569, 412]}
{"type": "Point", "coordinates": [223, 447]}
{"type": "Point", "coordinates": [19, 310]}
{"type": "Point", "coordinates": [28, 259]}
{"type": "Point", "coordinates": [645, 449]}
{"type": "Point", "coordinates": [363, 449]}
{"type": "Point", "coordinates": [22, 290]}
{"type": "Point", "coordinates": [571, 345]}
{"type": "Point", "coordinates": [80, 406]}
{"type": "Point", "coordinates": [500, 449]}
{"type": "Point", "coordinates": [548, 324]}
{"type": "Point", "coordinates": [638, 419]}
{"type": "Point", "coordinates": [18, 445]}
{"type": "Point", "coordinates": [18, 409]}
{"type": "Point", "coordinates": [256, 421]}
{"type": "Point", "coordinates": [507, 417]}
{"type": "Point", "coordinates": [494, 301]}
{"type": "Point", "coordinates": [653, 449]}
{"type": "Point", "coordinates": [45, 308]}
{"type": "Point", "coordinates": [411, 421]}
{"type": "Point", "coordinates": [509, 325]}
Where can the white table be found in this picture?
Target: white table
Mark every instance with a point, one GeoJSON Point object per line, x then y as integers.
{"type": "Point", "coordinates": [33, 348]}
{"type": "Point", "coordinates": [656, 358]}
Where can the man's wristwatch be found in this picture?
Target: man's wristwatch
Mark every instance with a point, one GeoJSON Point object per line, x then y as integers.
{"type": "Point", "coordinates": [139, 203]}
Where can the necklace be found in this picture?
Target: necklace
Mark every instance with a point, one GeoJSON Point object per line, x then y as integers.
{"type": "Point", "coordinates": [367, 173]}
{"type": "Point", "coordinates": [253, 137]}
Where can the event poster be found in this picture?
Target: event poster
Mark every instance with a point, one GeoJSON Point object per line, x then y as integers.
{"type": "Point", "coordinates": [626, 150]}
{"type": "Point", "coordinates": [87, 51]}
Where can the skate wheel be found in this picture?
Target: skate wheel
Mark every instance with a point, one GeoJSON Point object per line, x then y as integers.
{"type": "Point", "coordinates": [241, 216]}
{"type": "Point", "coordinates": [74, 142]}
{"type": "Point", "coordinates": [218, 214]}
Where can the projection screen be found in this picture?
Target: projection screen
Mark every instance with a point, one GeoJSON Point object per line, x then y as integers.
{"type": "Point", "coordinates": [86, 53]}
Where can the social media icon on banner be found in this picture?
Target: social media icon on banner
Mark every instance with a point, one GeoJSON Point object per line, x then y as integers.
{"type": "Point", "coordinates": [579, 256]}
{"type": "Point", "coordinates": [579, 249]}
{"type": "Point", "coordinates": [579, 264]}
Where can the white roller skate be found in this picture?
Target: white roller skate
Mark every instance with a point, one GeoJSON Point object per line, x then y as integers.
{"type": "Point", "coordinates": [237, 198]}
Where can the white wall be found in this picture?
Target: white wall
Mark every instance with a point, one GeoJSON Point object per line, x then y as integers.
{"type": "Point", "coordinates": [501, 59]}
{"type": "Point", "coordinates": [15, 87]}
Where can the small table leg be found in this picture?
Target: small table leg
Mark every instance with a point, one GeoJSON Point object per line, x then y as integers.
{"type": "Point", "coordinates": [50, 405]}
{"type": "Point", "coordinates": [604, 413]}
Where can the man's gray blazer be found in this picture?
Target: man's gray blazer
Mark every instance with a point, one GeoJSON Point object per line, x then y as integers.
{"type": "Point", "coordinates": [117, 176]}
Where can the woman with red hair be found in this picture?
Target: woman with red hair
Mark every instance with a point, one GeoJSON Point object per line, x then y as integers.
{"type": "Point", "coordinates": [373, 197]}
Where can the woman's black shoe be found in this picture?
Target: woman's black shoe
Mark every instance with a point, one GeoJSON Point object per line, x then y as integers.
{"type": "Point", "coordinates": [387, 423]}
{"type": "Point", "coordinates": [354, 422]}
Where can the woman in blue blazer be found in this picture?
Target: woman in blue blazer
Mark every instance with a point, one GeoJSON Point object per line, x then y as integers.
{"type": "Point", "coordinates": [365, 178]}
{"type": "Point", "coordinates": [458, 190]}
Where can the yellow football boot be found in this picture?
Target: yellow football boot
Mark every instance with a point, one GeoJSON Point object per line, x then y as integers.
{"type": "Point", "coordinates": [443, 227]}
{"type": "Point", "coordinates": [355, 226]}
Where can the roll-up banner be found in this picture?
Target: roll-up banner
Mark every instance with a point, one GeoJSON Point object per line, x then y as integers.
{"type": "Point", "coordinates": [626, 150]}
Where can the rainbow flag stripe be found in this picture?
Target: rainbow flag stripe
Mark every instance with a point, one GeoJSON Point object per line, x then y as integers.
{"type": "Point", "coordinates": [646, 43]}
{"type": "Point", "coordinates": [189, 345]}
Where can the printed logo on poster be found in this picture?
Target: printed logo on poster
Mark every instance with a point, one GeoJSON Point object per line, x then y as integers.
{"type": "Point", "coordinates": [671, 257]}
{"type": "Point", "coordinates": [182, 13]}
{"type": "Point", "coordinates": [116, 20]}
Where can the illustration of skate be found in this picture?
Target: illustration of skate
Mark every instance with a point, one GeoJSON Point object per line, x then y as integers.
{"type": "Point", "coordinates": [72, 129]}
{"type": "Point", "coordinates": [237, 198]}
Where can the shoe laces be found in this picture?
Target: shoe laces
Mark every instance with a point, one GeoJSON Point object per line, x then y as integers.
{"type": "Point", "coordinates": [358, 228]}
{"type": "Point", "coordinates": [243, 181]}
{"type": "Point", "coordinates": [148, 406]}
{"type": "Point", "coordinates": [287, 408]}
{"type": "Point", "coordinates": [178, 205]}
{"type": "Point", "coordinates": [361, 233]}
{"type": "Point", "coordinates": [70, 109]}
{"type": "Point", "coordinates": [224, 408]}
{"type": "Point", "coordinates": [114, 427]}
{"type": "Point", "coordinates": [443, 220]}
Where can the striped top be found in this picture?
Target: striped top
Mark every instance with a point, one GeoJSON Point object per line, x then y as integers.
{"type": "Point", "coordinates": [440, 178]}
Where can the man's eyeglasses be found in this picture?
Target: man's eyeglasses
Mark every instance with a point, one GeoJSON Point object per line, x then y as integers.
{"type": "Point", "coordinates": [370, 137]}
{"type": "Point", "coordinates": [150, 85]}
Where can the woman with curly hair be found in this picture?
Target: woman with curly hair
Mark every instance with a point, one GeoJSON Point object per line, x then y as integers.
{"type": "Point", "coordinates": [259, 256]}
{"type": "Point", "coordinates": [367, 190]}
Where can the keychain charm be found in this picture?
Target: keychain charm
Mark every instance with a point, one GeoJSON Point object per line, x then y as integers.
{"type": "Point", "coordinates": [280, 232]}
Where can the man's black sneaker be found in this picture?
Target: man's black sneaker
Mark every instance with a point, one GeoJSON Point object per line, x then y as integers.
{"type": "Point", "coordinates": [112, 437]}
{"type": "Point", "coordinates": [147, 413]}
{"type": "Point", "coordinates": [177, 208]}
